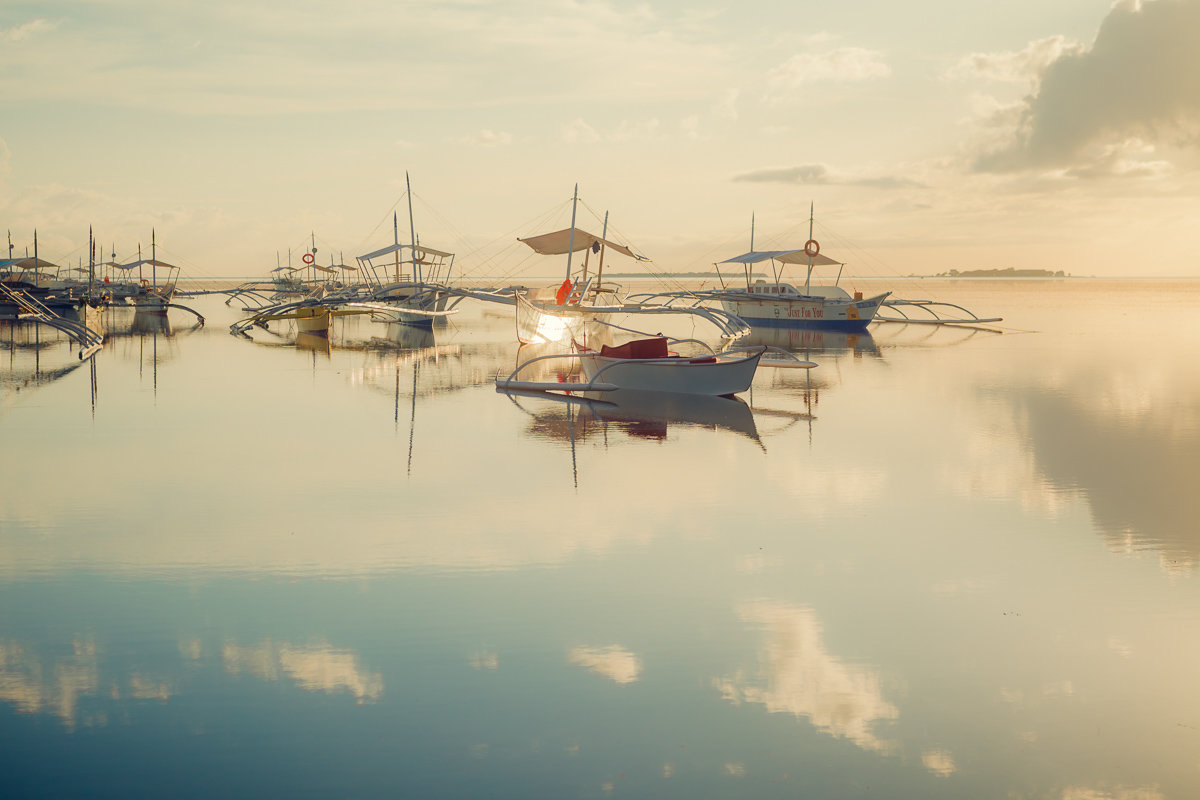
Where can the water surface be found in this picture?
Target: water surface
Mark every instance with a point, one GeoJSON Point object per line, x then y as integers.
{"type": "Point", "coordinates": [945, 563]}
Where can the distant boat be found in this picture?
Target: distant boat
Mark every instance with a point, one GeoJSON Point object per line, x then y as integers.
{"type": "Point", "coordinates": [776, 303]}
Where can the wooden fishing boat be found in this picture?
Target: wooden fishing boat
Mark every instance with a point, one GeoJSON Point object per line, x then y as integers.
{"type": "Point", "coordinates": [649, 365]}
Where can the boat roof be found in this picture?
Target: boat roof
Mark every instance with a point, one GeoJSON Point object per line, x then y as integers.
{"type": "Point", "coordinates": [29, 262]}
{"type": "Point", "coordinates": [559, 242]}
{"type": "Point", "coordinates": [783, 256]}
{"type": "Point", "coordinates": [146, 262]}
{"type": "Point", "coordinates": [396, 248]}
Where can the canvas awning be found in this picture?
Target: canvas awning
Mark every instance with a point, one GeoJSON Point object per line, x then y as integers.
{"type": "Point", "coordinates": [147, 262]}
{"type": "Point", "coordinates": [559, 242]}
{"type": "Point", "coordinates": [27, 263]}
{"type": "Point", "coordinates": [782, 256]}
{"type": "Point", "coordinates": [420, 249]}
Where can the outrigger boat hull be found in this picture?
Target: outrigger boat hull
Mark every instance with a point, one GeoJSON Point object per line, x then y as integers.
{"type": "Point", "coordinates": [710, 375]}
{"type": "Point", "coordinates": [805, 312]}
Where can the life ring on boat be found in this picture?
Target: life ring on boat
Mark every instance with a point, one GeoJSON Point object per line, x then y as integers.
{"type": "Point", "coordinates": [565, 289]}
{"type": "Point", "coordinates": [308, 258]}
{"type": "Point", "coordinates": [811, 248]}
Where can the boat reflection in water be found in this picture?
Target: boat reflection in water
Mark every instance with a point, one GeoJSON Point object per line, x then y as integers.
{"type": "Point", "coordinates": [150, 320]}
{"type": "Point", "coordinates": [409, 337]}
{"type": "Point", "coordinates": [641, 415]}
{"type": "Point", "coordinates": [314, 342]}
{"type": "Point", "coordinates": [811, 340]}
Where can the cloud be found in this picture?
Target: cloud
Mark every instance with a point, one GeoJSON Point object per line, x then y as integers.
{"type": "Point", "coordinates": [613, 662]}
{"type": "Point", "coordinates": [27, 30]}
{"type": "Point", "coordinates": [844, 65]}
{"type": "Point", "coordinates": [579, 132]}
{"type": "Point", "coordinates": [1139, 80]}
{"type": "Point", "coordinates": [799, 676]}
{"type": "Point", "coordinates": [820, 175]}
{"type": "Point", "coordinates": [1025, 65]}
{"type": "Point", "coordinates": [488, 138]}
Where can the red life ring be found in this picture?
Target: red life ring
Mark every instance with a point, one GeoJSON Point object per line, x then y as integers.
{"type": "Point", "coordinates": [811, 248]}
{"type": "Point", "coordinates": [308, 258]}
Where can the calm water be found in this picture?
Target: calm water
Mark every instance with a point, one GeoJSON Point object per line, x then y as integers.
{"type": "Point", "coordinates": [943, 564]}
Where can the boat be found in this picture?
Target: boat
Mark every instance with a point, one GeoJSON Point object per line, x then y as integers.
{"type": "Point", "coordinates": [151, 296]}
{"type": "Point", "coordinates": [411, 280]}
{"type": "Point", "coordinates": [776, 303]}
{"type": "Point", "coordinates": [648, 365]}
{"type": "Point", "coordinates": [577, 309]}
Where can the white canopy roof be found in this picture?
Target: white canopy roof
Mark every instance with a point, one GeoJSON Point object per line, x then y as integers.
{"type": "Point", "coordinates": [783, 256]}
{"type": "Point", "coordinates": [146, 262]}
{"type": "Point", "coordinates": [27, 263]}
{"type": "Point", "coordinates": [421, 251]}
{"type": "Point", "coordinates": [557, 243]}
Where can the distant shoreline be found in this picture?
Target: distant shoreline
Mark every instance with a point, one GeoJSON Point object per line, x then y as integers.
{"type": "Point", "coordinates": [1007, 272]}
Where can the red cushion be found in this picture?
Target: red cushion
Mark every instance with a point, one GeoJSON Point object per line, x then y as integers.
{"type": "Point", "coordinates": [638, 348]}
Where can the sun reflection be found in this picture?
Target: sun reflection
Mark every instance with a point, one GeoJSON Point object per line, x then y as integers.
{"type": "Point", "coordinates": [802, 678]}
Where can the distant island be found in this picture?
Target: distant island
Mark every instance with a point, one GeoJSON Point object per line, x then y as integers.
{"type": "Point", "coordinates": [1007, 272]}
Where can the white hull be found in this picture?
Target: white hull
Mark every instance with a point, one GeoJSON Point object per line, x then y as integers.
{"type": "Point", "coordinates": [714, 375]}
{"type": "Point", "coordinates": [815, 312]}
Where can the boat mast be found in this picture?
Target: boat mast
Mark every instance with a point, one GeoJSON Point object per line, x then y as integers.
{"type": "Point", "coordinates": [571, 240]}
{"type": "Point", "coordinates": [746, 266]}
{"type": "Point", "coordinates": [412, 231]}
{"type": "Point", "coordinates": [396, 243]}
{"type": "Point", "coordinates": [603, 247]}
{"type": "Point", "coordinates": [153, 260]}
{"type": "Point", "coordinates": [808, 278]}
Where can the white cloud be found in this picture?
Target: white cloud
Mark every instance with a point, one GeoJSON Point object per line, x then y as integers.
{"type": "Point", "coordinates": [488, 138]}
{"type": "Point", "coordinates": [844, 65]}
{"type": "Point", "coordinates": [27, 30]}
{"type": "Point", "coordinates": [579, 132]}
{"type": "Point", "coordinates": [1140, 79]}
{"type": "Point", "coordinates": [1025, 65]}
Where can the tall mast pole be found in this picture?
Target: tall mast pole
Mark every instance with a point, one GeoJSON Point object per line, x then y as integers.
{"type": "Point", "coordinates": [412, 230]}
{"type": "Point", "coordinates": [153, 260]}
{"type": "Point", "coordinates": [808, 278]}
{"type": "Point", "coordinates": [571, 240]}
{"type": "Point", "coordinates": [396, 242]}
{"type": "Point", "coordinates": [603, 249]}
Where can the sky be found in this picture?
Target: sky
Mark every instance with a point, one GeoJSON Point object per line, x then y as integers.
{"type": "Point", "coordinates": [924, 136]}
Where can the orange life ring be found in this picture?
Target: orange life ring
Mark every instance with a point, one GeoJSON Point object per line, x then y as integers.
{"type": "Point", "coordinates": [811, 248]}
{"type": "Point", "coordinates": [308, 258]}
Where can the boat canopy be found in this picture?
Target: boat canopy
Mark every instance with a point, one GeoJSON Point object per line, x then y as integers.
{"type": "Point", "coordinates": [782, 256]}
{"type": "Point", "coordinates": [420, 250]}
{"type": "Point", "coordinates": [26, 263]}
{"type": "Point", "coordinates": [146, 262]}
{"type": "Point", "coordinates": [559, 242]}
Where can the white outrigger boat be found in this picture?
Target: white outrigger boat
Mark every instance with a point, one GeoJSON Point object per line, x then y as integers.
{"type": "Point", "coordinates": [577, 309]}
{"type": "Point", "coordinates": [777, 304]}
{"type": "Point", "coordinates": [411, 280]}
{"type": "Point", "coordinates": [649, 365]}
